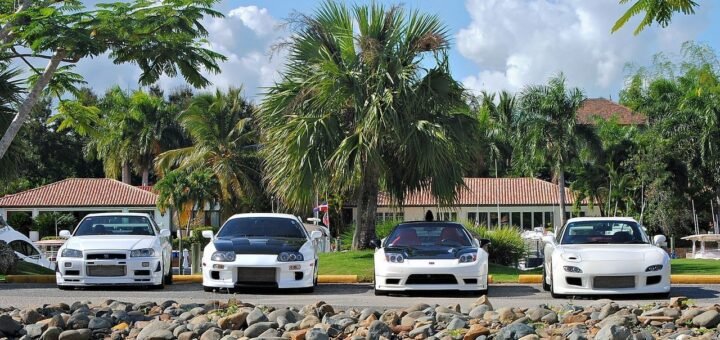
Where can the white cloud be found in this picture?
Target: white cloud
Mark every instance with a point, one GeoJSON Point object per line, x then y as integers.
{"type": "Point", "coordinates": [519, 42]}
{"type": "Point", "coordinates": [257, 19]}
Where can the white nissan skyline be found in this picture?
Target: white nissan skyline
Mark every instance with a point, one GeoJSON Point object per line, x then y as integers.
{"type": "Point", "coordinates": [431, 256]}
{"type": "Point", "coordinates": [605, 255]}
{"type": "Point", "coordinates": [261, 250]}
{"type": "Point", "coordinates": [115, 249]}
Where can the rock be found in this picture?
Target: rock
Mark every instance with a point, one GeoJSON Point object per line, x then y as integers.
{"type": "Point", "coordinates": [515, 331]}
{"type": "Point", "coordinates": [613, 332]}
{"type": "Point", "coordinates": [619, 320]}
{"type": "Point", "coordinates": [198, 320]}
{"type": "Point", "coordinates": [316, 334]}
{"type": "Point", "coordinates": [411, 317]}
{"type": "Point", "coordinates": [256, 316]}
{"type": "Point", "coordinates": [574, 318]}
{"type": "Point", "coordinates": [151, 327]}
{"type": "Point", "coordinates": [212, 334]}
{"type": "Point", "coordinates": [29, 316]}
{"type": "Point", "coordinates": [377, 329]}
{"type": "Point", "coordinates": [256, 329]}
{"type": "Point", "coordinates": [506, 315]}
{"type": "Point", "coordinates": [52, 333]}
{"type": "Point", "coordinates": [186, 335]}
{"type": "Point", "coordinates": [672, 312]}
{"type": "Point", "coordinates": [232, 321]}
{"type": "Point", "coordinates": [120, 327]}
{"type": "Point", "coordinates": [33, 330]}
{"type": "Point", "coordinates": [550, 318]}
{"type": "Point", "coordinates": [422, 331]}
{"type": "Point", "coordinates": [78, 321]}
{"type": "Point", "coordinates": [8, 326]}
{"type": "Point", "coordinates": [390, 317]}
{"type": "Point", "coordinates": [607, 310]}
{"type": "Point", "coordinates": [417, 308]}
{"type": "Point", "coordinates": [535, 314]}
{"type": "Point", "coordinates": [476, 331]}
{"type": "Point", "coordinates": [479, 311]}
{"type": "Point", "coordinates": [309, 321]}
{"type": "Point", "coordinates": [270, 334]}
{"type": "Point", "coordinates": [74, 335]}
{"type": "Point", "coordinates": [708, 319]}
{"type": "Point", "coordinates": [365, 313]}
{"type": "Point", "coordinates": [160, 334]}
{"type": "Point", "coordinates": [483, 300]}
{"type": "Point", "coordinates": [298, 335]}
{"type": "Point", "coordinates": [456, 323]}
{"type": "Point", "coordinates": [530, 337]}
{"type": "Point", "coordinates": [326, 310]}
{"type": "Point", "coordinates": [444, 317]}
{"type": "Point", "coordinates": [99, 323]}
{"type": "Point", "coordinates": [677, 302]}
{"type": "Point", "coordinates": [198, 311]}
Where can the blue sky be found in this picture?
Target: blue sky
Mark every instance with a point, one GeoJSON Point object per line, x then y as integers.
{"type": "Point", "coordinates": [496, 44]}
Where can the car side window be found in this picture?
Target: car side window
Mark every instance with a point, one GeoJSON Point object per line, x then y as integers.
{"type": "Point", "coordinates": [23, 247]}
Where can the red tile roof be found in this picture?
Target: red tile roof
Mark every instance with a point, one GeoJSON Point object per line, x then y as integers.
{"type": "Point", "coordinates": [605, 109]}
{"type": "Point", "coordinates": [488, 191]}
{"type": "Point", "coordinates": [81, 192]}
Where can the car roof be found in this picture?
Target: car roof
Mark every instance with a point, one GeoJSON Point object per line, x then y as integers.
{"type": "Point", "coordinates": [587, 219]}
{"type": "Point", "coordinates": [118, 214]}
{"type": "Point", "coordinates": [278, 215]}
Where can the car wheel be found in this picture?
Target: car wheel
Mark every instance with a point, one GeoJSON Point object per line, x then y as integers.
{"type": "Point", "coordinates": [545, 285]}
{"type": "Point", "coordinates": [168, 278]}
{"type": "Point", "coordinates": [208, 289]}
{"type": "Point", "coordinates": [63, 287]}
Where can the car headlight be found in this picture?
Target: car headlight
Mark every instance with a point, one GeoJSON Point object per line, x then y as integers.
{"type": "Point", "coordinates": [290, 256]}
{"type": "Point", "coordinates": [468, 258]}
{"type": "Point", "coordinates": [67, 252]}
{"type": "Point", "coordinates": [394, 258]}
{"type": "Point", "coordinates": [572, 269]}
{"type": "Point", "coordinates": [654, 268]}
{"type": "Point", "coordinates": [223, 256]}
{"type": "Point", "coordinates": [144, 252]}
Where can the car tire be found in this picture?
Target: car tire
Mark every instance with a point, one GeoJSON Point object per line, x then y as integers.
{"type": "Point", "coordinates": [63, 287]}
{"type": "Point", "coordinates": [168, 278]}
{"type": "Point", "coordinates": [379, 292]}
{"type": "Point", "coordinates": [208, 289]}
{"type": "Point", "coordinates": [545, 285]}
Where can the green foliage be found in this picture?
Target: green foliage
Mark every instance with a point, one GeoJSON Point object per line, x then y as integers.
{"type": "Point", "coordinates": [45, 223]}
{"type": "Point", "coordinates": [382, 230]}
{"type": "Point", "coordinates": [506, 246]}
{"type": "Point", "coordinates": [20, 221]}
{"type": "Point", "coordinates": [196, 235]}
{"type": "Point", "coordinates": [654, 11]}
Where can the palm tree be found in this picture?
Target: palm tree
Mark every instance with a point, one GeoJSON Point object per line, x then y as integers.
{"type": "Point", "coordinates": [550, 133]}
{"type": "Point", "coordinates": [224, 141]}
{"type": "Point", "coordinates": [367, 102]}
{"type": "Point", "coordinates": [10, 91]}
{"type": "Point", "coordinates": [497, 123]}
{"type": "Point", "coordinates": [660, 11]}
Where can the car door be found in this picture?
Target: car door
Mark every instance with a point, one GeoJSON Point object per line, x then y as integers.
{"type": "Point", "coordinates": [164, 244]}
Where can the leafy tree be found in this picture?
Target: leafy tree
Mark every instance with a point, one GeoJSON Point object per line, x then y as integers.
{"type": "Point", "coordinates": [10, 89]}
{"type": "Point", "coordinates": [160, 37]}
{"type": "Point", "coordinates": [551, 135]}
{"type": "Point", "coordinates": [654, 11]}
{"type": "Point", "coordinates": [180, 190]}
{"type": "Point", "coordinates": [498, 123]}
{"type": "Point", "coordinates": [366, 101]}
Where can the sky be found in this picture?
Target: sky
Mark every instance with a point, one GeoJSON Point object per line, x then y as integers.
{"type": "Point", "coordinates": [496, 44]}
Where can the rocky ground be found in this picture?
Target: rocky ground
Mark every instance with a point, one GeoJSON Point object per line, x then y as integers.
{"type": "Point", "coordinates": [678, 318]}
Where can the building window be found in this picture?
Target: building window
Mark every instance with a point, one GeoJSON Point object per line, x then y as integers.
{"type": "Point", "coordinates": [483, 218]}
{"type": "Point", "coordinates": [515, 219]}
{"type": "Point", "coordinates": [527, 220]}
{"type": "Point", "coordinates": [389, 216]}
{"type": "Point", "coordinates": [504, 218]}
{"type": "Point", "coordinates": [537, 219]}
{"type": "Point", "coordinates": [493, 219]}
{"type": "Point", "coordinates": [447, 216]}
{"type": "Point", "coordinates": [471, 217]}
{"type": "Point", "coordinates": [549, 219]}
{"type": "Point", "coordinates": [400, 216]}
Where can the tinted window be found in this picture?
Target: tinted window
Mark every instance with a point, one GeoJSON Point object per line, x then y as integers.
{"type": "Point", "coordinates": [23, 247]}
{"type": "Point", "coordinates": [262, 227]}
{"type": "Point", "coordinates": [115, 225]}
{"type": "Point", "coordinates": [607, 232]}
{"type": "Point", "coordinates": [429, 234]}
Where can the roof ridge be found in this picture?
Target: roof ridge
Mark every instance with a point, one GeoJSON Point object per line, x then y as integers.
{"type": "Point", "coordinates": [134, 187]}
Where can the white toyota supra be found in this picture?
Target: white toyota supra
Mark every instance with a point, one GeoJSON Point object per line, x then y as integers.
{"type": "Point", "coordinates": [261, 250]}
{"type": "Point", "coordinates": [430, 256]}
{"type": "Point", "coordinates": [605, 255]}
{"type": "Point", "coordinates": [115, 249]}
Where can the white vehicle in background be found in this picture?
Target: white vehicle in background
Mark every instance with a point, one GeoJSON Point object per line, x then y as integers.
{"type": "Point", "coordinates": [23, 247]}
{"type": "Point", "coordinates": [261, 250]}
{"type": "Point", "coordinates": [430, 256]}
{"type": "Point", "coordinates": [605, 255]}
{"type": "Point", "coordinates": [115, 249]}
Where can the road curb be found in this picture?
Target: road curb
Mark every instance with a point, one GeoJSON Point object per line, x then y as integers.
{"type": "Point", "coordinates": [529, 278]}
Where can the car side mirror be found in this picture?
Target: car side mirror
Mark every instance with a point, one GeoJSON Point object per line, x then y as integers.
{"type": "Point", "coordinates": [315, 234]}
{"type": "Point", "coordinates": [207, 234]}
{"type": "Point", "coordinates": [484, 242]}
{"type": "Point", "coordinates": [375, 243]}
{"type": "Point", "coordinates": [549, 239]}
{"type": "Point", "coordinates": [165, 232]}
{"type": "Point", "coordinates": [659, 240]}
{"type": "Point", "coordinates": [65, 234]}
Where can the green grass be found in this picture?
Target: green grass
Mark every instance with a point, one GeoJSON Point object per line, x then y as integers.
{"type": "Point", "coordinates": [503, 274]}
{"type": "Point", "coordinates": [27, 268]}
{"type": "Point", "coordinates": [695, 266]}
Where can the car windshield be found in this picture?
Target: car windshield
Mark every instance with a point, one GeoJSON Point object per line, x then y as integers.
{"type": "Point", "coordinates": [115, 225]}
{"type": "Point", "coordinates": [429, 234]}
{"type": "Point", "coordinates": [603, 232]}
{"type": "Point", "coordinates": [262, 227]}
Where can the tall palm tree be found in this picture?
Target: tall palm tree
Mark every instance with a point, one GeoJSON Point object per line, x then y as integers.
{"type": "Point", "coordinates": [10, 91]}
{"type": "Point", "coordinates": [367, 102]}
{"type": "Point", "coordinates": [660, 11]}
{"type": "Point", "coordinates": [224, 141]}
{"type": "Point", "coordinates": [551, 134]}
{"type": "Point", "coordinates": [497, 122]}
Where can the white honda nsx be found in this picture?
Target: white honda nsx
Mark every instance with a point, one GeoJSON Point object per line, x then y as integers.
{"type": "Point", "coordinates": [605, 256]}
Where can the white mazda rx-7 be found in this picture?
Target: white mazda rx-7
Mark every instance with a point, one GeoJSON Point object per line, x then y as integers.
{"type": "Point", "coordinates": [605, 255]}
{"type": "Point", "coordinates": [430, 256]}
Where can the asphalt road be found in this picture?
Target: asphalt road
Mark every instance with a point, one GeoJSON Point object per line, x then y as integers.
{"type": "Point", "coordinates": [338, 295]}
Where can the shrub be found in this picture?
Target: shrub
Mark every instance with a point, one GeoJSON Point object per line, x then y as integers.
{"type": "Point", "coordinates": [45, 223]}
{"type": "Point", "coordinates": [382, 230]}
{"type": "Point", "coordinates": [506, 245]}
{"type": "Point", "coordinates": [20, 221]}
{"type": "Point", "coordinates": [8, 260]}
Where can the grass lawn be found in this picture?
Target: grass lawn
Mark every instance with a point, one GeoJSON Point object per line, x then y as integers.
{"type": "Point", "coordinates": [695, 267]}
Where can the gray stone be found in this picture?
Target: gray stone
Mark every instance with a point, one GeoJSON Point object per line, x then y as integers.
{"type": "Point", "coordinates": [74, 335]}
{"type": "Point", "coordinates": [607, 310]}
{"type": "Point", "coordinates": [411, 317]}
{"type": "Point", "coordinates": [672, 312]}
{"type": "Point", "coordinates": [309, 321]}
{"type": "Point", "coordinates": [52, 333]}
{"type": "Point", "coordinates": [29, 316]}
{"type": "Point", "coordinates": [212, 334]}
{"type": "Point", "coordinates": [613, 332]}
{"type": "Point", "coordinates": [117, 305]}
{"type": "Point", "coordinates": [708, 319]}
{"type": "Point", "coordinates": [377, 329]}
{"type": "Point", "coordinates": [256, 329]}
{"type": "Point", "coordinates": [515, 331]}
{"type": "Point", "coordinates": [228, 337]}
{"type": "Point", "coordinates": [535, 314]}
{"type": "Point", "coordinates": [316, 334]}
{"type": "Point", "coordinates": [365, 313]}
{"type": "Point", "coordinates": [78, 321]}
{"type": "Point", "coordinates": [550, 318]}
{"type": "Point", "coordinates": [56, 321]}
{"type": "Point", "coordinates": [179, 329]}
{"type": "Point", "coordinates": [390, 317]}
{"type": "Point", "coordinates": [270, 334]}
{"type": "Point", "coordinates": [422, 330]}
{"type": "Point", "coordinates": [8, 326]}
{"type": "Point", "coordinates": [643, 335]}
{"type": "Point", "coordinates": [256, 316]}
{"type": "Point", "coordinates": [619, 320]}
{"type": "Point", "coordinates": [99, 323]}
{"type": "Point", "coordinates": [417, 307]}
{"type": "Point", "coordinates": [444, 317]}
{"type": "Point", "coordinates": [160, 334]}
{"type": "Point", "coordinates": [185, 316]}
{"type": "Point", "coordinates": [198, 311]}
{"type": "Point", "coordinates": [33, 330]}
{"type": "Point", "coordinates": [479, 311]}
{"type": "Point", "coordinates": [151, 328]}
{"type": "Point", "coordinates": [456, 323]}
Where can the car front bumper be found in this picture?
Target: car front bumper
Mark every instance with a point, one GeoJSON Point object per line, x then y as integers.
{"type": "Point", "coordinates": [628, 277]}
{"type": "Point", "coordinates": [130, 271]}
{"type": "Point", "coordinates": [431, 275]}
{"type": "Point", "coordinates": [258, 271]}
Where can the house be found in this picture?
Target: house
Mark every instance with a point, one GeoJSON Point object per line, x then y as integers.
{"type": "Point", "coordinates": [602, 108]}
{"type": "Point", "coordinates": [525, 202]}
{"type": "Point", "coordinates": [82, 196]}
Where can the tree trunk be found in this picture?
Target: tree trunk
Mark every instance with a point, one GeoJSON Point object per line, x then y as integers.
{"type": "Point", "coordinates": [561, 192]}
{"type": "Point", "coordinates": [367, 209]}
{"type": "Point", "coordinates": [5, 31]}
{"type": "Point", "coordinates": [126, 173]}
{"type": "Point", "coordinates": [146, 176]}
{"type": "Point", "coordinates": [32, 98]}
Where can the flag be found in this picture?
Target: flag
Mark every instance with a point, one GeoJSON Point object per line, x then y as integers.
{"type": "Point", "coordinates": [326, 219]}
{"type": "Point", "coordinates": [324, 207]}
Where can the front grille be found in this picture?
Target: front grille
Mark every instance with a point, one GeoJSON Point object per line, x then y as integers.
{"type": "Point", "coordinates": [431, 279]}
{"type": "Point", "coordinates": [106, 256]}
{"type": "Point", "coordinates": [614, 282]}
{"type": "Point", "coordinates": [255, 275]}
{"type": "Point", "coordinates": [142, 273]}
{"type": "Point", "coordinates": [106, 270]}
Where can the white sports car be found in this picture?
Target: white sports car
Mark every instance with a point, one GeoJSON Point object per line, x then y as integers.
{"type": "Point", "coordinates": [431, 256]}
{"type": "Point", "coordinates": [261, 250]}
{"type": "Point", "coordinates": [605, 255]}
{"type": "Point", "coordinates": [115, 249]}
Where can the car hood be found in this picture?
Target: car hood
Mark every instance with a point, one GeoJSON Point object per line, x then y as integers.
{"type": "Point", "coordinates": [266, 246]}
{"type": "Point", "coordinates": [613, 252]}
{"type": "Point", "coordinates": [105, 242]}
{"type": "Point", "coordinates": [433, 252]}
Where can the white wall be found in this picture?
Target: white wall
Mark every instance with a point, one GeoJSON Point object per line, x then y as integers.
{"type": "Point", "coordinates": [160, 219]}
